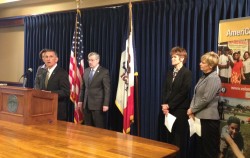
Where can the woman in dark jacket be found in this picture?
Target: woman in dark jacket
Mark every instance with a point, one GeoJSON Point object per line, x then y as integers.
{"type": "Point", "coordinates": [175, 100]}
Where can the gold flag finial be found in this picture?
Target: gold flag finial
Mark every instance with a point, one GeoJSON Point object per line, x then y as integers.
{"type": "Point", "coordinates": [78, 2]}
{"type": "Point", "coordinates": [130, 4]}
{"type": "Point", "coordinates": [130, 15]}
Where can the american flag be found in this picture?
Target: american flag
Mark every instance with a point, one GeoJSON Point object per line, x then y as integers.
{"type": "Point", "coordinates": [76, 67]}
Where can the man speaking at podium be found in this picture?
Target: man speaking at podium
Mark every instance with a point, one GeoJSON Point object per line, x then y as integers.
{"type": "Point", "coordinates": [56, 80]}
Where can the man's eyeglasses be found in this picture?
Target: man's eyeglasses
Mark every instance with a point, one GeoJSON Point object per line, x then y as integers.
{"type": "Point", "coordinates": [90, 60]}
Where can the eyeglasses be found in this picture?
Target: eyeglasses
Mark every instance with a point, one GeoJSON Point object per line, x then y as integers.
{"type": "Point", "coordinates": [90, 60]}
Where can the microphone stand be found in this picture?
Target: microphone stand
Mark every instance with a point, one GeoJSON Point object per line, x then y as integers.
{"type": "Point", "coordinates": [24, 76]}
{"type": "Point", "coordinates": [24, 81]}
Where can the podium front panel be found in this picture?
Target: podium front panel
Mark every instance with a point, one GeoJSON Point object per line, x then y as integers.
{"type": "Point", "coordinates": [27, 106]}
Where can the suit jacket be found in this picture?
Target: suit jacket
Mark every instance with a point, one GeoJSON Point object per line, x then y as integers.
{"type": "Point", "coordinates": [176, 93]}
{"type": "Point", "coordinates": [59, 83]}
{"type": "Point", "coordinates": [39, 77]}
{"type": "Point", "coordinates": [97, 93]}
{"type": "Point", "coordinates": [206, 96]}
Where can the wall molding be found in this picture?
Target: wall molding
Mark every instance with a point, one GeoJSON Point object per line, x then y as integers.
{"type": "Point", "coordinates": [11, 22]}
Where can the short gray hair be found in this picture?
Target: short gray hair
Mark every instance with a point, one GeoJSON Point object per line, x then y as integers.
{"type": "Point", "coordinates": [94, 54]}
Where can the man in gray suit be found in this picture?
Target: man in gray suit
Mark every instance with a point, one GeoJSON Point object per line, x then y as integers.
{"type": "Point", "coordinates": [95, 92]}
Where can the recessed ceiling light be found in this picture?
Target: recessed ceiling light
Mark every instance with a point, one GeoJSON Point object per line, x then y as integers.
{"type": "Point", "coordinates": [7, 1]}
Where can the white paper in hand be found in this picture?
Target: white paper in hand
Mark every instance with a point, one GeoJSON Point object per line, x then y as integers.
{"type": "Point", "coordinates": [169, 121]}
{"type": "Point", "coordinates": [194, 126]}
{"type": "Point", "coordinates": [191, 126]}
{"type": "Point", "coordinates": [198, 126]}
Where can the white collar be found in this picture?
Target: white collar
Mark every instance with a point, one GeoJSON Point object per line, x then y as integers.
{"type": "Point", "coordinates": [95, 68]}
{"type": "Point", "coordinates": [52, 69]}
{"type": "Point", "coordinates": [43, 66]}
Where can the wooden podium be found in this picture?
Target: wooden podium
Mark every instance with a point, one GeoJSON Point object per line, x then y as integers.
{"type": "Point", "coordinates": [27, 106]}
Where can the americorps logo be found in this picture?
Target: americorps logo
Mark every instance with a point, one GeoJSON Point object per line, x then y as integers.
{"type": "Point", "coordinates": [242, 32]}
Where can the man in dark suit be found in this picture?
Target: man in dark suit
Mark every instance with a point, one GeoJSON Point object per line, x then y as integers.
{"type": "Point", "coordinates": [95, 92]}
{"type": "Point", "coordinates": [40, 71]}
{"type": "Point", "coordinates": [56, 80]}
{"type": "Point", "coordinates": [175, 100]}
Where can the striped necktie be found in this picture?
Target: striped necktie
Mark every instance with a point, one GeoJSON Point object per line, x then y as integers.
{"type": "Point", "coordinates": [175, 73]}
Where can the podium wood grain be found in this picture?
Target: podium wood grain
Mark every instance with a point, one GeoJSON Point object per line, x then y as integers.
{"type": "Point", "coordinates": [31, 106]}
{"type": "Point", "coordinates": [64, 139]}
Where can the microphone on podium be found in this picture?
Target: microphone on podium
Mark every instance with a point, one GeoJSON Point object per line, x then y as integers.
{"type": "Point", "coordinates": [25, 76]}
{"type": "Point", "coordinates": [27, 72]}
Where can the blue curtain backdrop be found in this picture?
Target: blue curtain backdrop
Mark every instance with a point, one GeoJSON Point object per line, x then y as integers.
{"type": "Point", "coordinates": [159, 25]}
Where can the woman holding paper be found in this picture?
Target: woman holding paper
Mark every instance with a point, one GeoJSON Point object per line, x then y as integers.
{"type": "Point", "coordinates": [175, 100]}
{"type": "Point", "coordinates": [204, 106]}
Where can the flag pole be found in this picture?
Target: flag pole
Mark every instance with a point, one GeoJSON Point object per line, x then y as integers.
{"type": "Point", "coordinates": [75, 56]}
{"type": "Point", "coordinates": [73, 92]}
{"type": "Point", "coordinates": [137, 104]}
{"type": "Point", "coordinates": [135, 74]}
{"type": "Point", "coordinates": [77, 4]}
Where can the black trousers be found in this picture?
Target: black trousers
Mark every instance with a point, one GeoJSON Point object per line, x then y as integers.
{"type": "Point", "coordinates": [180, 133]}
{"type": "Point", "coordinates": [94, 118]}
{"type": "Point", "coordinates": [208, 145]}
{"type": "Point", "coordinates": [62, 111]}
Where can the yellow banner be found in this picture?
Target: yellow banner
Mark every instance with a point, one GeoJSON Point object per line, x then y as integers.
{"type": "Point", "coordinates": [235, 29]}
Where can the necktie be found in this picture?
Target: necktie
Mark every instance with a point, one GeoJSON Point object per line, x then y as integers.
{"type": "Point", "coordinates": [91, 74]}
{"type": "Point", "coordinates": [46, 79]}
{"type": "Point", "coordinates": [175, 73]}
